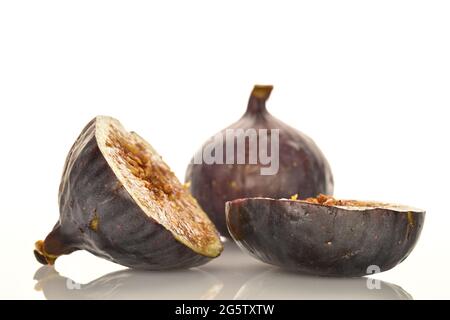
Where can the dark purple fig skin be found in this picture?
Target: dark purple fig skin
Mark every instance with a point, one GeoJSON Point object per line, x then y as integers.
{"type": "Point", "coordinates": [303, 169]}
{"type": "Point", "coordinates": [323, 240]}
{"type": "Point", "coordinates": [97, 214]}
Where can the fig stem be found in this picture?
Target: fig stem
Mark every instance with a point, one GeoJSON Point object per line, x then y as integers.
{"type": "Point", "coordinates": [257, 102]}
{"type": "Point", "coordinates": [42, 256]}
{"type": "Point", "coordinates": [55, 244]}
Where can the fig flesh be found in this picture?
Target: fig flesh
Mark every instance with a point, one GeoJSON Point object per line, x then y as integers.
{"type": "Point", "coordinates": [324, 236]}
{"type": "Point", "coordinates": [120, 201]}
{"type": "Point", "coordinates": [302, 168]}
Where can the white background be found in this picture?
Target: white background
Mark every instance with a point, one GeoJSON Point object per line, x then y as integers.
{"type": "Point", "coordinates": [368, 80]}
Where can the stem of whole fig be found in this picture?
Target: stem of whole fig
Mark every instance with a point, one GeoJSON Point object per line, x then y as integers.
{"type": "Point", "coordinates": [257, 102]}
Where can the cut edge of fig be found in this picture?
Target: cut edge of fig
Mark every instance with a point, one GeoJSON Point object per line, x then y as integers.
{"type": "Point", "coordinates": [155, 188]}
{"type": "Point", "coordinates": [359, 205]}
{"type": "Point", "coordinates": [345, 204]}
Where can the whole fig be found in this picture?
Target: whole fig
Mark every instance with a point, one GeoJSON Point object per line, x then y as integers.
{"type": "Point", "coordinates": [295, 165]}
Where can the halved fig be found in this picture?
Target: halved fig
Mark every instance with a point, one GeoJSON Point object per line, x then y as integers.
{"type": "Point", "coordinates": [120, 201]}
{"type": "Point", "coordinates": [324, 236]}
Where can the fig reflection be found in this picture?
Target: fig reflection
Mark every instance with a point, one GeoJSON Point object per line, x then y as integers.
{"type": "Point", "coordinates": [130, 284]}
{"type": "Point", "coordinates": [233, 275]}
{"type": "Point", "coordinates": [280, 284]}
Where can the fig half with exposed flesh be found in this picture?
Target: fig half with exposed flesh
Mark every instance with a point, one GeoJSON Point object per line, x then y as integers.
{"type": "Point", "coordinates": [120, 201]}
{"type": "Point", "coordinates": [294, 165]}
{"type": "Point", "coordinates": [324, 236]}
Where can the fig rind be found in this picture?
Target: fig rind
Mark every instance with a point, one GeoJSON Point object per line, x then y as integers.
{"type": "Point", "coordinates": [324, 240]}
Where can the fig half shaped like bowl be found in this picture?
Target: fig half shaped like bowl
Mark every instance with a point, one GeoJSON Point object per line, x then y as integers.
{"type": "Point", "coordinates": [323, 236]}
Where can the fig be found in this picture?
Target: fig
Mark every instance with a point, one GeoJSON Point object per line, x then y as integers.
{"type": "Point", "coordinates": [120, 201]}
{"type": "Point", "coordinates": [324, 236]}
{"type": "Point", "coordinates": [296, 163]}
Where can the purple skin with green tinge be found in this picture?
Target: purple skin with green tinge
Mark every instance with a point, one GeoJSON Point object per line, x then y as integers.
{"type": "Point", "coordinates": [323, 240]}
{"type": "Point", "coordinates": [303, 169]}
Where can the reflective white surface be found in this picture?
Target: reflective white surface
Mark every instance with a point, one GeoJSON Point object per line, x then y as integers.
{"type": "Point", "coordinates": [233, 276]}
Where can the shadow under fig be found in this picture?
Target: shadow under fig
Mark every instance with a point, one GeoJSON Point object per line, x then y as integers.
{"type": "Point", "coordinates": [278, 284]}
{"type": "Point", "coordinates": [130, 284]}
